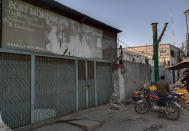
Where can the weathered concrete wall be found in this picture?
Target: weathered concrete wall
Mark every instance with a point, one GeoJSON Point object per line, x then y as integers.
{"type": "Point", "coordinates": [28, 27]}
{"type": "Point", "coordinates": [162, 71]}
{"type": "Point", "coordinates": [135, 75]}
{"type": "Point", "coordinates": [109, 47]}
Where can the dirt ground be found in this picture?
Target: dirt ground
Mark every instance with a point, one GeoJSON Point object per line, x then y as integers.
{"type": "Point", "coordinates": [129, 120]}
{"type": "Point", "coordinates": [126, 119]}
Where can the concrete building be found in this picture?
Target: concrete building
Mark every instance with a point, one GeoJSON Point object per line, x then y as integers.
{"type": "Point", "coordinates": [168, 54]}
{"type": "Point", "coordinates": [54, 61]}
{"type": "Point", "coordinates": [132, 56]}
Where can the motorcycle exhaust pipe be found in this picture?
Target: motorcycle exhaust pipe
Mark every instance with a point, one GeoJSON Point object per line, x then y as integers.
{"type": "Point", "coordinates": [157, 108]}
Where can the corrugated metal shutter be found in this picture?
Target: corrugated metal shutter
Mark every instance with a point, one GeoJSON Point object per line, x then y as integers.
{"type": "Point", "coordinates": [55, 87]}
{"type": "Point", "coordinates": [15, 89]}
{"type": "Point", "coordinates": [104, 82]}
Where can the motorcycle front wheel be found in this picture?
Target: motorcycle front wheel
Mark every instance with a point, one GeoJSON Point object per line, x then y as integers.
{"type": "Point", "coordinates": [172, 111]}
{"type": "Point", "coordinates": [141, 107]}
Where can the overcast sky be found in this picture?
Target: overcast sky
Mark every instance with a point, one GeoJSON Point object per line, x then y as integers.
{"type": "Point", "coordinates": [134, 17]}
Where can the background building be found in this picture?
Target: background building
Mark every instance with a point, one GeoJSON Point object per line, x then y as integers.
{"type": "Point", "coordinates": [133, 56]}
{"type": "Point", "coordinates": [168, 54]}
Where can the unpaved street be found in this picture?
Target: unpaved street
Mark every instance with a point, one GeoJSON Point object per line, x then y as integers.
{"type": "Point", "coordinates": [105, 119]}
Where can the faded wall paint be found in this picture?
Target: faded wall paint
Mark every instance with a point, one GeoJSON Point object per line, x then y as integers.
{"type": "Point", "coordinates": [135, 75]}
{"type": "Point", "coordinates": [28, 27]}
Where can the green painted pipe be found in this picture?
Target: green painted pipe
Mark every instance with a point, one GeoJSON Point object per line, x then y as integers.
{"type": "Point", "coordinates": [155, 48]}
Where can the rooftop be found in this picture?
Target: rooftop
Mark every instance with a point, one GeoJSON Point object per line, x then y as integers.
{"type": "Point", "coordinates": [151, 45]}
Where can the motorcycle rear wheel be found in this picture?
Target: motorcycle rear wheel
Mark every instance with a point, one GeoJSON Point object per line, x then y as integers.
{"type": "Point", "coordinates": [172, 112]}
{"type": "Point", "coordinates": [141, 107]}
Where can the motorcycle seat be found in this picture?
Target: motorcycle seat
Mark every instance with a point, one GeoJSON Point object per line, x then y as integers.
{"type": "Point", "coordinates": [165, 98]}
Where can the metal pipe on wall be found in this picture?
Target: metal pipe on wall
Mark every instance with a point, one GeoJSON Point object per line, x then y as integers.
{"type": "Point", "coordinates": [32, 88]}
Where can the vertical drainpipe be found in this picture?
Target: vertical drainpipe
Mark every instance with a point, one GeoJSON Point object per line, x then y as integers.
{"type": "Point", "coordinates": [96, 96]}
{"type": "Point", "coordinates": [32, 88]}
{"type": "Point", "coordinates": [155, 50]}
{"type": "Point", "coordinates": [87, 85]}
{"type": "Point", "coordinates": [76, 85]}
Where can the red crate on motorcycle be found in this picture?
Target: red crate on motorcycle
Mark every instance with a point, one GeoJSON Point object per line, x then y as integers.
{"type": "Point", "coordinates": [154, 97]}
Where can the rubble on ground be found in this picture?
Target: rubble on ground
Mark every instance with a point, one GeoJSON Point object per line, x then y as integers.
{"type": "Point", "coordinates": [114, 102]}
{"type": "Point", "coordinates": [114, 99]}
{"type": "Point", "coordinates": [114, 107]}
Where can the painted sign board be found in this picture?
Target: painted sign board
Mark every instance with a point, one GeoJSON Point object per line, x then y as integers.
{"type": "Point", "coordinates": [27, 27]}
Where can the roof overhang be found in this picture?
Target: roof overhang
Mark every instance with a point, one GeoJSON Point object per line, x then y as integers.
{"type": "Point", "coordinates": [183, 64]}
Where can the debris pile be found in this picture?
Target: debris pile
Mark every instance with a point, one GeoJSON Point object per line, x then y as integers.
{"type": "Point", "coordinates": [114, 102]}
{"type": "Point", "coordinates": [114, 107]}
{"type": "Point", "coordinates": [114, 99]}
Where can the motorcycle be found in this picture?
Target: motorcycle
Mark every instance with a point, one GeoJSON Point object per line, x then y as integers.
{"type": "Point", "coordinates": [166, 105]}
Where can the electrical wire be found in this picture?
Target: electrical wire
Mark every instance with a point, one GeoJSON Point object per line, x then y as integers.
{"type": "Point", "coordinates": [131, 48]}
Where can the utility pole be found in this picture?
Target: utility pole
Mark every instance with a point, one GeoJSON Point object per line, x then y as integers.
{"type": "Point", "coordinates": [155, 47]}
{"type": "Point", "coordinates": [156, 42]}
{"type": "Point", "coordinates": [172, 25]}
{"type": "Point", "coordinates": [187, 43]}
{"type": "Point", "coordinates": [187, 28]}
